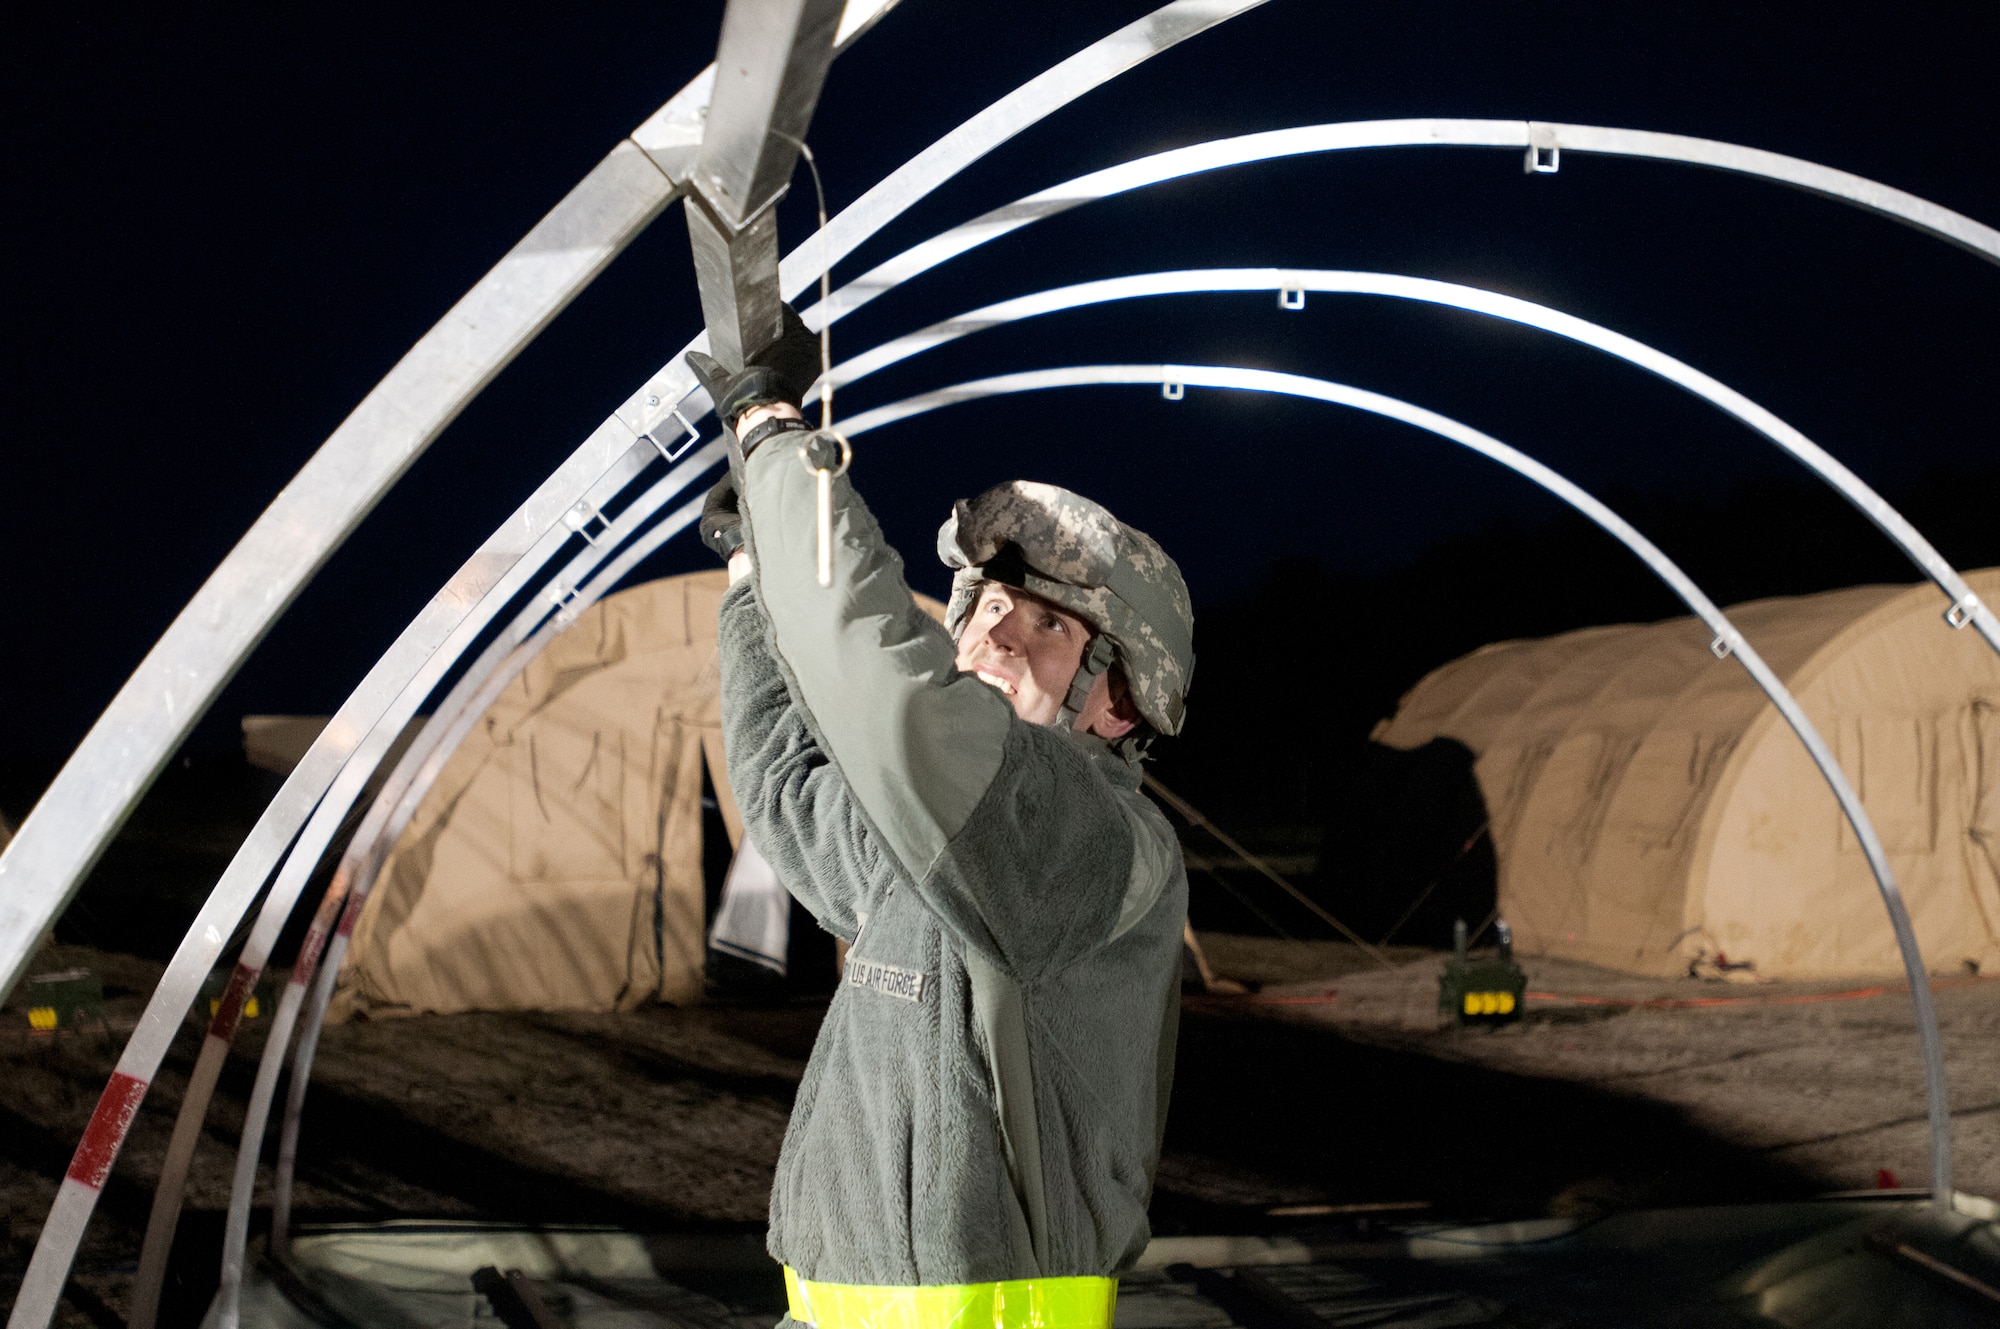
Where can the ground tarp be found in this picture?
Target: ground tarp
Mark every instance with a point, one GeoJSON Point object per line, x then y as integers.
{"type": "Point", "coordinates": [1649, 807]}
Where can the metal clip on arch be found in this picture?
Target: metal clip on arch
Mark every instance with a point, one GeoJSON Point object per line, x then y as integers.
{"type": "Point", "coordinates": [693, 437]}
{"type": "Point", "coordinates": [1544, 153]}
{"type": "Point", "coordinates": [581, 515]}
{"type": "Point", "coordinates": [1963, 610]}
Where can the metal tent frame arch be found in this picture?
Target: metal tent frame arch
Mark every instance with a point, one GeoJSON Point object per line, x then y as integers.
{"type": "Point", "coordinates": [1196, 281]}
{"type": "Point", "coordinates": [419, 398]}
{"type": "Point", "coordinates": [1727, 642]}
{"type": "Point", "coordinates": [1286, 280]}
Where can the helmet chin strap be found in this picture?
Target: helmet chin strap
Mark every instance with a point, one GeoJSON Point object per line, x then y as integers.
{"type": "Point", "coordinates": [1097, 658]}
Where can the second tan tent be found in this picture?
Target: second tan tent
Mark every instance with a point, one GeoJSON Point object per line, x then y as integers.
{"type": "Point", "coordinates": [1650, 809]}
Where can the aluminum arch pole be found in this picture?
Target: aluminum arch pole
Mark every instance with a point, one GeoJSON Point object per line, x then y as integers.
{"type": "Point", "coordinates": [339, 485]}
{"type": "Point", "coordinates": [1055, 88]}
{"type": "Point", "coordinates": [392, 426]}
{"type": "Point", "coordinates": [1270, 145]}
{"type": "Point", "coordinates": [242, 1194]}
{"type": "Point", "coordinates": [1964, 606]}
{"type": "Point", "coordinates": [567, 595]}
{"type": "Point", "coordinates": [363, 729]}
{"type": "Point", "coordinates": [1902, 206]}
{"type": "Point", "coordinates": [396, 817]}
{"type": "Point", "coordinates": [915, 261]}
{"type": "Point", "coordinates": [1273, 144]}
{"type": "Point", "coordinates": [304, 856]}
{"type": "Point", "coordinates": [1279, 279]}
{"type": "Point", "coordinates": [1843, 186]}
{"type": "Point", "coordinates": [1836, 184]}
{"type": "Point", "coordinates": [1727, 640]}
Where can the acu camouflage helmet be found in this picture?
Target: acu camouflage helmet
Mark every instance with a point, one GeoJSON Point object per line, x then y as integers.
{"type": "Point", "coordinates": [1074, 553]}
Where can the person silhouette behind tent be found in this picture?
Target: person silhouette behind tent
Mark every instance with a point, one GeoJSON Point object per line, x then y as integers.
{"type": "Point", "coordinates": [985, 1101]}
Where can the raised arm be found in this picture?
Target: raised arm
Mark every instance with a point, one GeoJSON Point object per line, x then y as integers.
{"type": "Point", "coordinates": [794, 803]}
{"type": "Point", "coordinates": [1003, 828]}
{"type": "Point", "coordinates": [1000, 826]}
{"type": "Point", "coordinates": [918, 743]}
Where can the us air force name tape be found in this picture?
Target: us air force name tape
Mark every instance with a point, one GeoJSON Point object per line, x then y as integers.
{"type": "Point", "coordinates": [888, 979]}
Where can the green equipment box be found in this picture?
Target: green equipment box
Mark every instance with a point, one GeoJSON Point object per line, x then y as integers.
{"type": "Point", "coordinates": [1486, 991]}
{"type": "Point", "coordinates": [64, 999]}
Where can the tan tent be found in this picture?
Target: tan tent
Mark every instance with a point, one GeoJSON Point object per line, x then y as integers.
{"type": "Point", "coordinates": [1651, 808]}
{"type": "Point", "coordinates": [557, 862]}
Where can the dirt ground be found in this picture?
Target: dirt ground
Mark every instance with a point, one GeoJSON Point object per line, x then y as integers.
{"type": "Point", "coordinates": [1331, 1085]}
{"type": "Point", "coordinates": [1821, 1079]}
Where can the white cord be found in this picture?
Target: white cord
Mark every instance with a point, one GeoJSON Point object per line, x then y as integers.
{"type": "Point", "coordinates": [825, 297]}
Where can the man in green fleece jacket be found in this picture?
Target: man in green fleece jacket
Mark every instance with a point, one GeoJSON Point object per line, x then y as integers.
{"type": "Point", "coordinates": [976, 1134]}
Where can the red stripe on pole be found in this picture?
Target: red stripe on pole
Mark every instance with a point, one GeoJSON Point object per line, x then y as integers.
{"type": "Point", "coordinates": [323, 918]}
{"type": "Point", "coordinates": [230, 1008]}
{"type": "Point", "coordinates": [352, 914]}
{"type": "Point", "coordinates": [309, 949]}
{"type": "Point", "coordinates": [98, 1149]}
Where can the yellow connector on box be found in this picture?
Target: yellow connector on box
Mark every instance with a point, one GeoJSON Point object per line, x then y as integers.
{"type": "Point", "coordinates": [42, 1017]}
{"type": "Point", "coordinates": [1489, 1003]}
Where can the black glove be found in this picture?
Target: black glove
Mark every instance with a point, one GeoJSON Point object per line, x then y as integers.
{"type": "Point", "coordinates": [781, 372]}
{"type": "Point", "coordinates": [722, 519]}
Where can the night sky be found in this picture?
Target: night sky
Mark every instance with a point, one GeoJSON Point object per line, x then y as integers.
{"type": "Point", "coordinates": [225, 224]}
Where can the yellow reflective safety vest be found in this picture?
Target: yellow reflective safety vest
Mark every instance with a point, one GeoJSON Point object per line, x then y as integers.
{"type": "Point", "coordinates": [1024, 1303]}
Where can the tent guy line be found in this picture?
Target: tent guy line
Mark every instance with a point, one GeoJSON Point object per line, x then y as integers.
{"type": "Point", "coordinates": [1783, 999]}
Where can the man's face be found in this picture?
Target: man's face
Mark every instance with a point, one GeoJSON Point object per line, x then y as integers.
{"type": "Point", "coordinates": [1023, 646]}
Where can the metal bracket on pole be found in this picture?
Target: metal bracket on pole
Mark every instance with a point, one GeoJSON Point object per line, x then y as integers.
{"type": "Point", "coordinates": [693, 436]}
{"type": "Point", "coordinates": [1544, 153]}
{"type": "Point", "coordinates": [770, 65]}
{"type": "Point", "coordinates": [579, 518]}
